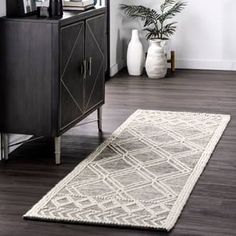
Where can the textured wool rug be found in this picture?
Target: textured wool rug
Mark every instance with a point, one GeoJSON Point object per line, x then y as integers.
{"type": "Point", "coordinates": [141, 176]}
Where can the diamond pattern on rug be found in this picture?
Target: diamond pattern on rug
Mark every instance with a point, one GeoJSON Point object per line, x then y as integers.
{"type": "Point", "coordinates": [163, 169]}
{"type": "Point", "coordinates": [190, 160]}
{"type": "Point", "coordinates": [177, 148]}
{"type": "Point", "coordinates": [163, 138]}
{"type": "Point", "coordinates": [95, 189]}
{"type": "Point", "coordinates": [108, 152]}
{"type": "Point", "coordinates": [127, 179]}
{"type": "Point", "coordinates": [115, 165]}
{"type": "Point", "coordinates": [147, 156]}
{"type": "Point", "coordinates": [141, 176]}
{"type": "Point", "coordinates": [133, 145]}
{"type": "Point", "coordinates": [146, 193]}
{"type": "Point", "coordinates": [176, 184]}
{"type": "Point", "coordinates": [201, 141]}
{"type": "Point", "coordinates": [85, 176]}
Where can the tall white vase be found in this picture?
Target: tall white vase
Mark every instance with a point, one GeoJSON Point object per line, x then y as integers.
{"type": "Point", "coordinates": [156, 63]}
{"type": "Point", "coordinates": [135, 55]}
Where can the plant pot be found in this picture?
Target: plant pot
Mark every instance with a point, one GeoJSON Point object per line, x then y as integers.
{"type": "Point", "coordinates": [156, 63]}
{"type": "Point", "coordinates": [135, 55]}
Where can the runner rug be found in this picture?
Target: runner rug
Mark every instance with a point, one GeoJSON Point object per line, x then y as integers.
{"type": "Point", "coordinates": [141, 176]}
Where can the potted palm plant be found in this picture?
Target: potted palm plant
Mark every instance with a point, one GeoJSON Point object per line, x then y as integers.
{"type": "Point", "coordinates": [159, 28]}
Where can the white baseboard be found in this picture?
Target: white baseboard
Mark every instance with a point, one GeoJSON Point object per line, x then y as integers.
{"type": "Point", "coordinates": [206, 64]}
{"type": "Point", "coordinates": [114, 69]}
{"type": "Point", "coordinates": [189, 64]}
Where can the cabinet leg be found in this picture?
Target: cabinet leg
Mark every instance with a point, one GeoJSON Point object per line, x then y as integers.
{"type": "Point", "coordinates": [99, 111]}
{"type": "Point", "coordinates": [4, 146]}
{"type": "Point", "coordinates": [57, 141]}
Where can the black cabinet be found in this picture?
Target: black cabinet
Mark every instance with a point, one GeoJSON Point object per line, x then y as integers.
{"type": "Point", "coordinates": [82, 69]}
{"type": "Point", "coordinates": [72, 47]}
{"type": "Point", "coordinates": [52, 72]}
{"type": "Point", "coordinates": [94, 51]}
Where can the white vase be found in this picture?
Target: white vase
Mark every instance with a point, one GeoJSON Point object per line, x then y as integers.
{"type": "Point", "coordinates": [156, 63]}
{"type": "Point", "coordinates": [135, 55]}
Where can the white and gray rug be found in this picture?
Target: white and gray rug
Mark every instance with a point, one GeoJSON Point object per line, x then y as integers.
{"type": "Point", "coordinates": [141, 176]}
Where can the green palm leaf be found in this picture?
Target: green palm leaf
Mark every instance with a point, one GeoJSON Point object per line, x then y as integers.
{"type": "Point", "coordinates": [166, 4]}
{"type": "Point", "coordinates": [154, 22]}
{"type": "Point", "coordinates": [151, 33]}
{"type": "Point", "coordinates": [169, 29]}
{"type": "Point", "coordinates": [169, 14]}
{"type": "Point", "coordinates": [149, 16]}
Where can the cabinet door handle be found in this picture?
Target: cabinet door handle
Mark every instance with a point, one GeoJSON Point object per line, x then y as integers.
{"type": "Point", "coordinates": [85, 69]}
{"type": "Point", "coordinates": [90, 66]}
{"type": "Point", "coordinates": [82, 68]}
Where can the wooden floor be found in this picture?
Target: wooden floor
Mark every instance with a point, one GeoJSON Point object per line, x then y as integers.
{"type": "Point", "coordinates": [210, 211]}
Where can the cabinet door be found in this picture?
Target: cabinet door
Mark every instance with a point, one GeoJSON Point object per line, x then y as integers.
{"type": "Point", "coordinates": [71, 71]}
{"type": "Point", "coordinates": [94, 54]}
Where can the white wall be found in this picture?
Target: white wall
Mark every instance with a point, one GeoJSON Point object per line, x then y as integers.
{"type": "Point", "coordinates": [116, 40]}
{"type": "Point", "coordinates": [205, 37]}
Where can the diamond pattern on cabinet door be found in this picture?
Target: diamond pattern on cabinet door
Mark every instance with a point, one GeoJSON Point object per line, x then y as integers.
{"type": "Point", "coordinates": [72, 55]}
{"type": "Point", "coordinates": [95, 46]}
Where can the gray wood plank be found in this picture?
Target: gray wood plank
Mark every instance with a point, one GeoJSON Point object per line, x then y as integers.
{"type": "Point", "coordinates": [211, 210]}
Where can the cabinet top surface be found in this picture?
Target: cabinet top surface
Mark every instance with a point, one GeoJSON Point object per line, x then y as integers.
{"type": "Point", "coordinates": [67, 16]}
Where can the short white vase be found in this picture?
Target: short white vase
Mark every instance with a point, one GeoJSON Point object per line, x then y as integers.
{"type": "Point", "coordinates": [135, 55]}
{"type": "Point", "coordinates": [156, 63]}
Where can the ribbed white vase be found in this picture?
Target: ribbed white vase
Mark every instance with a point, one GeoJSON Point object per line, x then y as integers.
{"type": "Point", "coordinates": [156, 63]}
{"type": "Point", "coordinates": [135, 55]}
